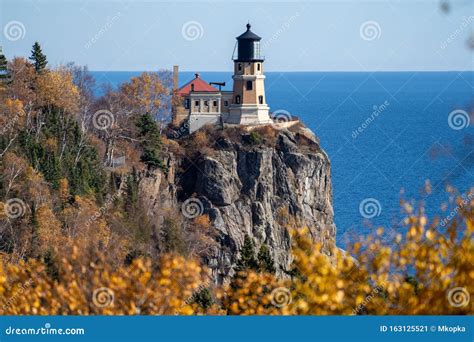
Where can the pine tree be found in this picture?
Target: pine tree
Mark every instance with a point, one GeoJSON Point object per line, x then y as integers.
{"type": "Point", "coordinates": [172, 237]}
{"type": "Point", "coordinates": [3, 65]}
{"type": "Point", "coordinates": [113, 182]}
{"type": "Point", "coordinates": [4, 74]}
{"type": "Point", "coordinates": [203, 298]}
{"type": "Point", "coordinates": [131, 194]}
{"type": "Point", "coordinates": [265, 260]}
{"type": "Point", "coordinates": [38, 58]}
{"type": "Point", "coordinates": [34, 229]}
{"type": "Point", "coordinates": [247, 260]}
{"type": "Point", "coordinates": [152, 141]}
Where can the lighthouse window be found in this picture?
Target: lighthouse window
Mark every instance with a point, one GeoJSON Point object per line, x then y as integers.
{"type": "Point", "coordinates": [256, 49]}
{"type": "Point", "coordinates": [260, 99]}
{"type": "Point", "coordinates": [249, 85]}
{"type": "Point", "coordinates": [237, 99]}
{"type": "Point", "coordinates": [240, 67]}
{"type": "Point", "coordinates": [258, 66]}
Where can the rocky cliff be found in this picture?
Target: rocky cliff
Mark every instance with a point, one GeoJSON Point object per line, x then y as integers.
{"type": "Point", "coordinates": [248, 186]}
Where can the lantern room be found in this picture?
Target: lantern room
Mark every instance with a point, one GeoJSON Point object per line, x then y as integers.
{"type": "Point", "coordinates": [248, 47]}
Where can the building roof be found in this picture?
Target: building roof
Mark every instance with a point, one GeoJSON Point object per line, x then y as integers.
{"type": "Point", "coordinates": [248, 34]}
{"type": "Point", "coordinates": [196, 84]}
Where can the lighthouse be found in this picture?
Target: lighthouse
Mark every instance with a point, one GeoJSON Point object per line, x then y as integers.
{"type": "Point", "coordinates": [199, 103]}
{"type": "Point", "coordinates": [249, 105]}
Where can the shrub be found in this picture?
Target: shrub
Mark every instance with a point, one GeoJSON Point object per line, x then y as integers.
{"type": "Point", "coordinates": [427, 271]}
{"type": "Point", "coordinates": [255, 138]}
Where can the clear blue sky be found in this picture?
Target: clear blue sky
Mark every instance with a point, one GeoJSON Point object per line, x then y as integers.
{"type": "Point", "coordinates": [297, 36]}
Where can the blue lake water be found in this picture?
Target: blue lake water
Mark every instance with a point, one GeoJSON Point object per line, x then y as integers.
{"type": "Point", "coordinates": [407, 142]}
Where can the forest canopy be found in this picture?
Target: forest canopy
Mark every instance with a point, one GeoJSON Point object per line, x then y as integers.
{"type": "Point", "coordinates": [76, 238]}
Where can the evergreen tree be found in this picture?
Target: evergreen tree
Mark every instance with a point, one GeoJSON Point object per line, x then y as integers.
{"type": "Point", "coordinates": [147, 127]}
{"type": "Point", "coordinates": [34, 229]}
{"type": "Point", "coordinates": [51, 168]}
{"type": "Point", "coordinates": [135, 218]}
{"type": "Point", "coordinates": [4, 74]}
{"type": "Point", "coordinates": [203, 298]}
{"type": "Point", "coordinates": [114, 182]}
{"type": "Point", "coordinates": [85, 175]}
{"type": "Point", "coordinates": [150, 133]}
{"type": "Point", "coordinates": [38, 58]}
{"type": "Point", "coordinates": [131, 194]}
{"type": "Point", "coordinates": [265, 260]}
{"type": "Point", "coordinates": [247, 260]}
{"type": "Point", "coordinates": [172, 237]}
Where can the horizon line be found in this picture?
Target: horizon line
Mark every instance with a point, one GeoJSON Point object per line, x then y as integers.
{"type": "Point", "coordinates": [273, 71]}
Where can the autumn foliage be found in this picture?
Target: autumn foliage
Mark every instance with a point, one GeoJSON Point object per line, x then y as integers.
{"type": "Point", "coordinates": [77, 238]}
{"type": "Point", "coordinates": [416, 273]}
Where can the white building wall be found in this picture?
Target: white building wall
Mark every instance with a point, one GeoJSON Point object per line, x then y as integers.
{"type": "Point", "coordinates": [204, 114]}
{"type": "Point", "coordinates": [196, 121]}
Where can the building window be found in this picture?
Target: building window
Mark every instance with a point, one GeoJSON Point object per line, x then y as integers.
{"type": "Point", "coordinates": [192, 87]}
{"type": "Point", "coordinates": [249, 85]}
{"type": "Point", "coordinates": [258, 66]}
{"type": "Point", "coordinates": [260, 99]}
{"type": "Point", "coordinates": [196, 103]}
{"type": "Point", "coordinates": [214, 103]}
{"type": "Point", "coordinates": [186, 103]}
{"type": "Point", "coordinates": [226, 103]}
{"type": "Point", "coordinates": [206, 103]}
{"type": "Point", "coordinates": [237, 99]}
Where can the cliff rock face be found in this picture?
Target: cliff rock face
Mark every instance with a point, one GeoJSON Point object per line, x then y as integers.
{"type": "Point", "coordinates": [258, 191]}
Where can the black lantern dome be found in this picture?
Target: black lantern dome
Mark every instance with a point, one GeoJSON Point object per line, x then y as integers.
{"type": "Point", "coordinates": [248, 47]}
